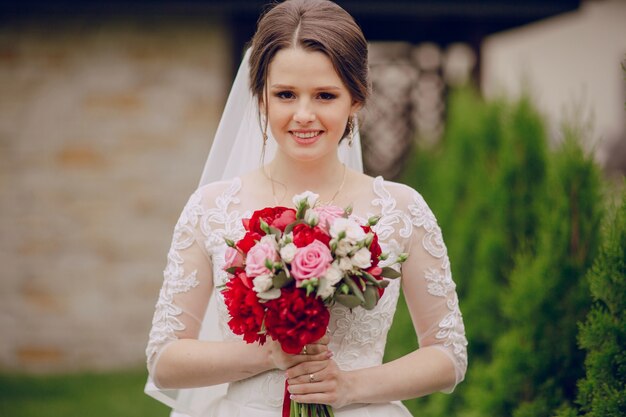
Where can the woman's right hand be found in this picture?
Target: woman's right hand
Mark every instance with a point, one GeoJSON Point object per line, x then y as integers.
{"type": "Point", "coordinates": [316, 351]}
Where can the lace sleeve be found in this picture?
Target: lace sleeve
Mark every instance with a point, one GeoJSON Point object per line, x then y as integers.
{"type": "Point", "coordinates": [187, 284]}
{"type": "Point", "coordinates": [429, 289]}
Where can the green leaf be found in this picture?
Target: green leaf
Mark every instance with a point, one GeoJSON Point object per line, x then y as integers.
{"type": "Point", "coordinates": [354, 287]}
{"type": "Point", "coordinates": [274, 231]}
{"type": "Point", "coordinates": [280, 280]}
{"type": "Point", "coordinates": [371, 279]}
{"type": "Point", "coordinates": [371, 297]}
{"type": "Point", "coordinates": [391, 273]}
{"type": "Point", "coordinates": [348, 300]}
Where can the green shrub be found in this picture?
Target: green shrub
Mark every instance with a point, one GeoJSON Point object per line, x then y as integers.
{"type": "Point", "coordinates": [602, 392]}
{"type": "Point", "coordinates": [521, 226]}
{"type": "Point", "coordinates": [536, 362]}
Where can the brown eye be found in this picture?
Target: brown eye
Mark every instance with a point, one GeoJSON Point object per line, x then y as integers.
{"type": "Point", "coordinates": [285, 95]}
{"type": "Point", "coordinates": [327, 96]}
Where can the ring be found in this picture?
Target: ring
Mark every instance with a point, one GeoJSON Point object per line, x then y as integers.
{"type": "Point", "coordinates": [311, 378]}
{"type": "Point", "coordinates": [304, 350]}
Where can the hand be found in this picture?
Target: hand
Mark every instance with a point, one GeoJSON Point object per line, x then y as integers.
{"type": "Point", "coordinates": [315, 352]}
{"type": "Point", "coordinates": [319, 382]}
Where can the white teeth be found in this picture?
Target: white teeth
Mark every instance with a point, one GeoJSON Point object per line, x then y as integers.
{"type": "Point", "coordinates": [306, 135]}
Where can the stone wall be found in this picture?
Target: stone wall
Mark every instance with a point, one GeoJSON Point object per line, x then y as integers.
{"type": "Point", "coordinates": [105, 124]}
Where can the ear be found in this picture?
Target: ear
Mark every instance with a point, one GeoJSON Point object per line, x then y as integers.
{"type": "Point", "coordinates": [356, 106]}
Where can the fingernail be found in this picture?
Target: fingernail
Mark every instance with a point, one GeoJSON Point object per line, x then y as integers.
{"type": "Point", "coordinates": [286, 375]}
{"type": "Point", "coordinates": [292, 397]}
{"type": "Point", "coordinates": [330, 354]}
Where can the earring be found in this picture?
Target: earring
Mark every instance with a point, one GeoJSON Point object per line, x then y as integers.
{"type": "Point", "coordinates": [264, 129]}
{"type": "Point", "coordinates": [264, 143]}
{"type": "Point", "coordinates": [350, 130]}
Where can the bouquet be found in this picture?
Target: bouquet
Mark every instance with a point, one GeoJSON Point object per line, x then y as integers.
{"type": "Point", "coordinates": [291, 265]}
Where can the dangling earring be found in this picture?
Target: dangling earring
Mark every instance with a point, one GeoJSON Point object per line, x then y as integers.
{"type": "Point", "coordinates": [264, 133]}
{"type": "Point", "coordinates": [350, 130]}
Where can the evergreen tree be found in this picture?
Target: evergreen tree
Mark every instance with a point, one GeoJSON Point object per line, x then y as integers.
{"type": "Point", "coordinates": [602, 392]}
{"type": "Point", "coordinates": [483, 184]}
{"type": "Point", "coordinates": [536, 362]}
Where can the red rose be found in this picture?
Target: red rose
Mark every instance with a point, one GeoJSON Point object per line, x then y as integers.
{"type": "Point", "coordinates": [303, 234]}
{"type": "Point", "coordinates": [245, 311]}
{"type": "Point", "coordinates": [278, 217]}
{"type": "Point", "coordinates": [296, 319]}
{"type": "Point", "coordinates": [375, 249]}
{"type": "Point", "coordinates": [248, 241]}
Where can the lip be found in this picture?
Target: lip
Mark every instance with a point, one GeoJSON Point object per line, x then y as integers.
{"type": "Point", "coordinates": [306, 141]}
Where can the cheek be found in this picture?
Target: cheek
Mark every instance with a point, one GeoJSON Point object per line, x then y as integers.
{"type": "Point", "coordinates": [336, 122]}
{"type": "Point", "coordinates": [278, 116]}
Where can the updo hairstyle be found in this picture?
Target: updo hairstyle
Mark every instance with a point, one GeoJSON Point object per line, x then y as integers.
{"type": "Point", "coordinates": [313, 25]}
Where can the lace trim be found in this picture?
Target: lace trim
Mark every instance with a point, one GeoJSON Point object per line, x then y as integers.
{"type": "Point", "coordinates": [165, 321]}
{"type": "Point", "coordinates": [390, 216]}
{"type": "Point", "coordinates": [440, 284]}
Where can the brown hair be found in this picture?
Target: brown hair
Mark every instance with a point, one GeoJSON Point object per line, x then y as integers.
{"type": "Point", "coordinates": [313, 25]}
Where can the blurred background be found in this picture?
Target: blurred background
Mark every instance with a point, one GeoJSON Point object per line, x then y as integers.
{"type": "Point", "coordinates": [508, 116]}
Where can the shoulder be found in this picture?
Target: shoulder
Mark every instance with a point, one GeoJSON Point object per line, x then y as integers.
{"type": "Point", "coordinates": [209, 195]}
{"type": "Point", "coordinates": [404, 195]}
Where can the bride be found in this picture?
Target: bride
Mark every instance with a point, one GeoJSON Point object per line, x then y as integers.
{"type": "Point", "coordinates": [294, 103]}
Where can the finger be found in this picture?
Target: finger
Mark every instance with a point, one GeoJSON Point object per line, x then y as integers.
{"type": "Point", "coordinates": [316, 398]}
{"type": "Point", "coordinates": [324, 340]}
{"type": "Point", "coordinates": [323, 387]}
{"type": "Point", "coordinates": [311, 378]}
{"type": "Point", "coordinates": [314, 349]}
{"type": "Point", "coordinates": [306, 368]}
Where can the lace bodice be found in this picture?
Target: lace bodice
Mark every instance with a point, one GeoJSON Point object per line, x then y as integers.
{"type": "Point", "coordinates": [358, 337]}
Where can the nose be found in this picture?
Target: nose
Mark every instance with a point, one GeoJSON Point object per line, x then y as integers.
{"type": "Point", "coordinates": [304, 114]}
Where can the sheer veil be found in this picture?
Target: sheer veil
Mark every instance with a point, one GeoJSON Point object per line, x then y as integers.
{"type": "Point", "coordinates": [236, 149]}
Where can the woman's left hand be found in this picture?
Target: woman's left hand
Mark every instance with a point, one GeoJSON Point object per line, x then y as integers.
{"type": "Point", "coordinates": [318, 383]}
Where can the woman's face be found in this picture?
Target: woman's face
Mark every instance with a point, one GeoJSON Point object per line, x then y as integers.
{"type": "Point", "coordinates": [307, 104]}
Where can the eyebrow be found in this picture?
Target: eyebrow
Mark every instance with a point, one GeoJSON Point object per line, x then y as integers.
{"type": "Point", "coordinates": [290, 87]}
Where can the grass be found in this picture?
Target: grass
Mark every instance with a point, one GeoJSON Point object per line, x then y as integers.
{"type": "Point", "coordinates": [78, 395]}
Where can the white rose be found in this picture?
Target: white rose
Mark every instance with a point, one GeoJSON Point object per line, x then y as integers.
{"type": "Point", "coordinates": [262, 283]}
{"type": "Point", "coordinates": [345, 264]}
{"type": "Point", "coordinates": [324, 288]}
{"type": "Point", "coordinates": [310, 197]}
{"type": "Point", "coordinates": [288, 252]}
{"type": "Point", "coordinates": [270, 239]}
{"type": "Point", "coordinates": [352, 230]}
{"type": "Point", "coordinates": [362, 258]}
{"type": "Point", "coordinates": [343, 247]}
{"type": "Point", "coordinates": [333, 275]}
{"type": "Point", "coordinates": [311, 217]}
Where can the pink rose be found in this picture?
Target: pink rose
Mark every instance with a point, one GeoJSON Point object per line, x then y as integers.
{"type": "Point", "coordinates": [232, 258]}
{"type": "Point", "coordinates": [327, 215]}
{"type": "Point", "coordinates": [258, 254]}
{"type": "Point", "coordinates": [311, 261]}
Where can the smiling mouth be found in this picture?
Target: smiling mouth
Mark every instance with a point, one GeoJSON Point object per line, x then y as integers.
{"type": "Point", "coordinates": [306, 137]}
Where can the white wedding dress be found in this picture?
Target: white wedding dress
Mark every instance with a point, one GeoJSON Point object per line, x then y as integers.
{"type": "Point", "coordinates": [358, 337]}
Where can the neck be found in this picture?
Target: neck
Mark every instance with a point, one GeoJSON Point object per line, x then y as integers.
{"type": "Point", "coordinates": [323, 176]}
